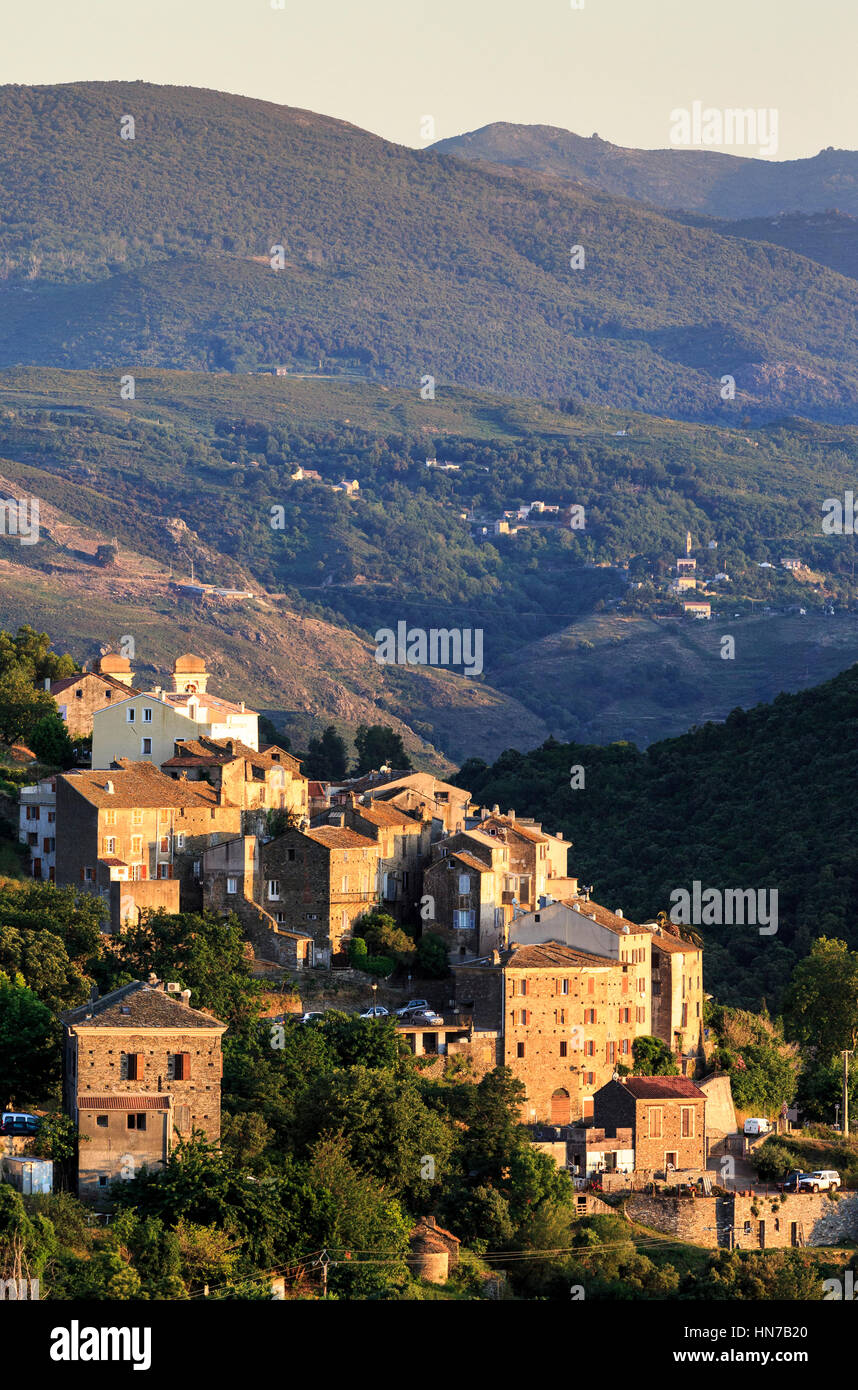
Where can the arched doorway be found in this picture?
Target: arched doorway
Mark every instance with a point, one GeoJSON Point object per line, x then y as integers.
{"type": "Point", "coordinates": [561, 1108]}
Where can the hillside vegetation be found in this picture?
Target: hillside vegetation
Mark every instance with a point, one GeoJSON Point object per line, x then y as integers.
{"type": "Point", "coordinates": [396, 263]}
{"type": "Point", "coordinates": [764, 801]}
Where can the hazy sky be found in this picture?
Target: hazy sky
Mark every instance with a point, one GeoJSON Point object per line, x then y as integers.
{"type": "Point", "coordinates": [618, 67]}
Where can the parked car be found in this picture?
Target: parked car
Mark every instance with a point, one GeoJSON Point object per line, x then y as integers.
{"type": "Point", "coordinates": [377, 1011]}
{"type": "Point", "coordinates": [19, 1122]}
{"type": "Point", "coordinates": [758, 1125]}
{"type": "Point", "coordinates": [414, 1006]}
{"type": "Point", "coordinates": [792, 1183]}
{"type": "Point", "coordinates": [822, 1180]}
{"type": "Point", "coordinates": [311, 1017]}
{"type": "Point", "coordinates": [425, 1016]}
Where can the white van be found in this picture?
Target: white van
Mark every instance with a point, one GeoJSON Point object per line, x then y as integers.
{"type": "Point", "coordinates": [757, 1125]}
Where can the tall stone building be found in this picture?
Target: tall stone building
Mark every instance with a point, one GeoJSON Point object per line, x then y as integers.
{"type": "Point", "coordinates": [320, 881]}
{"type": "Point", "coordinates": [140, 1069]}
{"type": "Point", "coordinates": [566, 1018]}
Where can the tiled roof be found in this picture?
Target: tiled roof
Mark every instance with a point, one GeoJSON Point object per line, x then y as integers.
{"type": "Point", "coordinates": [318, 788]}
{"type": "Point", "coordinates": [603, 915]}
{"type": "Point", "coordinates": [138, 785]}
{"type": "Point", "coordinates": [672, 943]}
{"type": "Point", "coordinates": [662, 1087]}
{"type": "Point", "coordinates": [379, 813]}
{"type": "Point", "coordinates": [553, 954]}
{"type": "Point", "coordinates": [202, 752]}
{"type": "Point", "coordinates": [149, 1007]}
{"type": "Point", "coordinates": [126, 1101]}
{"type": "Point", "coordinates": [338, 837]}
{"type": "Point", "coordinates": [57, 687]}
{"type": "Point", "coordinates": [205, 702]}
{"type": "Point", "coordinates": [527, 832]}
{"type": "Point", "coordinates": [470, 860]}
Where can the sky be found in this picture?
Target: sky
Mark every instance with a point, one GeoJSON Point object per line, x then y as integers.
{"type": "Point", "coordinates": [619, 68]}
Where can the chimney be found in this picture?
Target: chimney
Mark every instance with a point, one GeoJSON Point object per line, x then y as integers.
{"type": "Point", "coordinates": [496, 810]}
{"type": "Point", "coordinates": [511, 815]}
{"type": "Point", "coordinates": [186, 997]}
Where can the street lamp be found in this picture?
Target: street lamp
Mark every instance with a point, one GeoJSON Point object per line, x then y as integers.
{"type": "Point", "coordinates": [374, 995]}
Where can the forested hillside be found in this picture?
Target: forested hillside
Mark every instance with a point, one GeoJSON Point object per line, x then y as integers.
{"type": "Point", "coordinates": [396, 263]}
{"type": "Point", "coordinates": [764, 801]}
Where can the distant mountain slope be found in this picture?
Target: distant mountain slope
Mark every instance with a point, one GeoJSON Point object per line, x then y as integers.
{"type": "Point", "coordinates": [190, 470]}
{"type": "Point", "coordinates": [397, 263]}
{"type": "Point", "coordinates": [697, 180]}
{"type": "Point", "coordinates": [764, 801]}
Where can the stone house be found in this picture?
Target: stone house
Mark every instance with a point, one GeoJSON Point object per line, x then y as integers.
{"type": "Point", "coordinates": [566, 1017]}
{"type": "Point", "coordinates": [584, 925]}
{"type": "Point", "coordinates": [403, 849]}
{"type": "Point", "coordinates": [591, 1152]}
{"type": "Point", "coordinates": [137, 838]}
{"type": "Point", "coordinates": [148, 725]}
{"type": "Point", "coordinates": [535, 859]}
{"type": "Point", "coordinates": [232, 882]}
{"type": "Point", "coordinates": [140, 1068]}
{"type": "Point", "coordinates": [257, 780]}
{"type": "Point", "coordinates": [444, 805]}
{"type": "Point", "coordinates": [677, 997]}
{"type": "Point", "coordinates": [79, 696]}
{"type": "Point", "coordinates": [37, 827]}
{"type": "Point", "coordinates": [320, 881]}
{"type": "Point", "coordinates": [667, 1118]}
{"type": "Point", "coordinates": [470, 892]}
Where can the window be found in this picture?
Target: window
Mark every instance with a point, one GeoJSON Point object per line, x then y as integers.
{"type": "Point", "coordinates": [136, 844]}
{"type": "Point", "coordinates": [130, 715]}
{"type": "Point", "coordinates": [591, 985]}
{"type": "Point", "coordinates": [131, 1066]}
{"type": "Point", "coordinates": [102, 1179]}
{"type": "Point", "coordinates": [32, 813]}
{"type": "Point", "coordinates": [519, 1049]}
{"type": "Point", "coordinates": [589, 1078]}
{"type": "Point", "coordinates": [89, 875]}
{"type": "Point", "coordinates": [524, 986]}
{"type": "Point", "coordinates": [109, 844]}
{"type": "Point", "coordinates": [345, 887]}
{"type": "Point", "coordinates": [524, 1018]}
{"type": "Point", "coordinates": [290, 854]}
{"type": "Point", "coordinates": [654, 1121]}
{"type": "Point", "coordinates": [589, 1015]}
{"type": "Point", "coordinates": [198, 868]}
{"type": "Point", "coordinates": [146, 746]}
{"type": "Point", "coordinates": [33, 838]}
{"type": "Point", "coordinates": [136, 816]}
{"type": "Point", "coordinates": [179, 1066]}
{"type": "Point", "coordinates": [560, 1016]}
{"type": "Point", "coordinates": [136, 1121]}
{"type": "Point", "coordinates": [463, 919]}
{"type": "Point", "coordinates": [101, 1121]}
{"type": "Point", "coordinates": [110, 818]}
{"type": "Point", "coordinates": [687, 1118]}
{"type": "Point", "coordinates": [147, 715]}
{"type": "Point", "coordinates": [165, 871]}
{"type": "Point", "coordinates": [625, 1046]}
{"type": "Point", "coordinates": [563, 1049]}
{"type": "Point", "coordinates": [610, 1052]}
{"type": "Point", "coordinates": [564, 986]}
{"type": "Point", "coordinates": [464, 884]}
{"type": "Point", "coordinates": [589, 1048]}
{"type": "Point", "coordinates": [232, 885]}
{"type": "Point", "coordinates": [625, 1015]}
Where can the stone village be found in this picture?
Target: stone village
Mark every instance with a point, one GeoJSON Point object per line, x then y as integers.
{"type": "Point", "coordinates": [182, 810]}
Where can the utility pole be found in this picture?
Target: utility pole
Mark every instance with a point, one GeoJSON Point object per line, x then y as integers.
{"type": "Point", "coordinates": [846, 1056]}
{"type": "Point", "coordinates": [324, 1261]}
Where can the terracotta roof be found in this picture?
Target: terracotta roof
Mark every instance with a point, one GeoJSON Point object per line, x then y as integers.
{"type": "Point", "coordinates": [57, 687]}
{"type": "Point", "coordinates": [673, 943]}
{"type": "Point", "coordinates": [214, 752]}
{"type": "Point", "coordinates": [149, 1007]}
{"type": "Point", "coordinates": [662, 1087]}
{"type": "Point", "coordinates": [382, 814]}
{"type": "Point", "coordinates": [338, 837]}
{"type": "Point", "coordinates": [318, 788]}
{"type": "Point", "coordinates": [548, 954]}
{"type": "Point", "coordinates": [527, 832]}
{"type": "Point", "coordinates": [138, 785]}
{"type": "Point", "coordinates": [206, 701]}
{"type": "Point", "coordinates": [126, 1101]}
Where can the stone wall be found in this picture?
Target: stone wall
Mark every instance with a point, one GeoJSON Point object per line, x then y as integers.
{"type": "Point", "coordinates": [755, 1222]}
